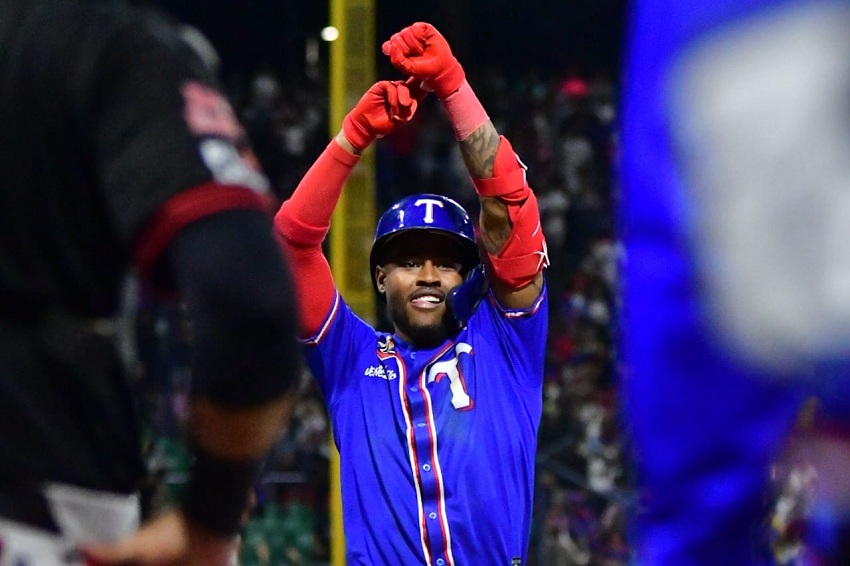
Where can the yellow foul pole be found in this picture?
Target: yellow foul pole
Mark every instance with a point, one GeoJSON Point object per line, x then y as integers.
{"type": "Point", "coordinates": [352, 71]}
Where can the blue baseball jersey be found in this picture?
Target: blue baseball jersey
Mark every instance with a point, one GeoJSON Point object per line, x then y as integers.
{"type": "Point", "coordinates": [437, 446]}
{"type": "Point", "coordinates": [731, 225]}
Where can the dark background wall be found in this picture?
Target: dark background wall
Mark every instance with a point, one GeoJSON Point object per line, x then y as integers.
{"type": "Point", "coordinates": [550, 36]}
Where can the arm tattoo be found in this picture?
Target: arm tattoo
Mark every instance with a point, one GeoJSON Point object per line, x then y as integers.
{"type": "Point", "coordinates": [495, 224]}
{"type": "Point", "coordinates": [479, 151]}
{"type": "Point", "coordinates": [479, 154]}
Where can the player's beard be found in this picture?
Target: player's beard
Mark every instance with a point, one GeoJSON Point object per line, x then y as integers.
{"type": "Point", "coordinates": [421, 335]}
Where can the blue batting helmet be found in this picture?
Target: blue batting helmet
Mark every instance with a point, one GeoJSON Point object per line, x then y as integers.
{"type": "Point", "coordinates": [433, 213]}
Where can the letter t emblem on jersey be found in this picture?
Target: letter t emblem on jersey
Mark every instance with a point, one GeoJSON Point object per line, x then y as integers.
{"type": "Point", "coordinates": [460, 398]}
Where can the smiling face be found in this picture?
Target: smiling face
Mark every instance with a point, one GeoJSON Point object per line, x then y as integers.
{"type": "Point", "coordinates": [419, 269]}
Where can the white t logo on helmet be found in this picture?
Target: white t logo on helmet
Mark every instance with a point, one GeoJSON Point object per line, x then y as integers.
{"type": "Point", "coordinates": [429, 208]}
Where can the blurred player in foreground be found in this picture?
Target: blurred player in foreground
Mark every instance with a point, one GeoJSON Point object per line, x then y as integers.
{"type": "Point", "coordinates": [436, 423]}
{"type": "Point", "coordinates": [736, 151]}
{"type": "Point", "coordinates": [119, 153]}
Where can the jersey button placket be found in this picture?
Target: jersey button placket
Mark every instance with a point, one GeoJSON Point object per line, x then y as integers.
{"type": "Point", "coordinates": [429, 490]}
{"type": "Point", "coordinates": [427, 469]}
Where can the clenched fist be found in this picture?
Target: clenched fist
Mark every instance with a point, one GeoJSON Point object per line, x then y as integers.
{"type": "Point", "coordinates": [420, 51]}
{"type": "Point", "coordinates": [383, 107]}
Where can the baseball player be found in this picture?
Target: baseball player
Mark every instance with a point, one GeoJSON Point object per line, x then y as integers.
{"type": "Point", "coordinates": [735, 179]}
{"type": "Point", "coordinates": [120, 153]}
{"type": "Point", "coordinates": [436, 421]}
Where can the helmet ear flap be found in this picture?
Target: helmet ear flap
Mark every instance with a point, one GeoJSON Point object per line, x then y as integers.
{"type": "Point", "coordinates": [464, 299]}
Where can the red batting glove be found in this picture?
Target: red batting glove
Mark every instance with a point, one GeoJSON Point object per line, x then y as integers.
{"type": "Point", "coordinates": [384, 106]}
{"type": "Point", "coordinates": [422, 52]}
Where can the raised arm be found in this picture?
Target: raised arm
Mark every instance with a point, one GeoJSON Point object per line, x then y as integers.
{"type": "Point", "coordinates": [245, 367]}
{"type": "Point", "coordinates": [510, 221]}
{"type": "Point", "coordinates": [303, 221]}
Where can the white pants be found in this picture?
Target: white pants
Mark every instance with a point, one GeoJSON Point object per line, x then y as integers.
{"type": "Point", "coordinates": [82, 516]}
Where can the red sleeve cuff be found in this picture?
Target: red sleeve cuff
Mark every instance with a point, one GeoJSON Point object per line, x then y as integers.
{"type": "Point", "coordinates": [341, 155]}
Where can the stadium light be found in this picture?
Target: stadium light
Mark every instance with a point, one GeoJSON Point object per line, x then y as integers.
{"type": "Point", "coordinates": [330, 33]}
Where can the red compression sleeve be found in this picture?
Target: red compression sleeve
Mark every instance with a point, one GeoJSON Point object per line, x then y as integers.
{"type": "Point", "coordinates": [315, 198]}
{"type": "Point", "coordinates": [302, 224]}
{"type": "Point", "coordinates": [465, 111]}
